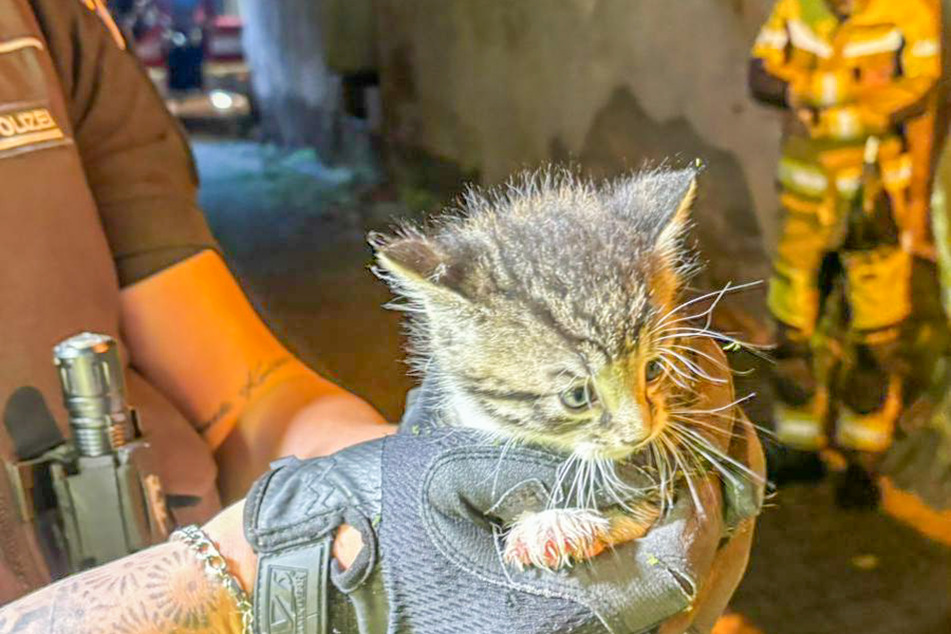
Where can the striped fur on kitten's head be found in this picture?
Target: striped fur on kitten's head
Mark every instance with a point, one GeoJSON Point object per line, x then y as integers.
{"type": "Point", "coordinates": [536, 303]}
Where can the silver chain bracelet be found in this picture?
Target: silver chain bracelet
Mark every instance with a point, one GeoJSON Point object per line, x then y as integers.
{"type": "Point", "coordinates": [216, 569]}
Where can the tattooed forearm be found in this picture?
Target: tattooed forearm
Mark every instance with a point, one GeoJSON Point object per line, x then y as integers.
{"type": "Point", "coordinates": [260, 373]}
{"type": "Point", "coordinates": [257, 376]}
{"type": "Point", "coordinates": [160, 590]}
{"type": "Point", "coordinates": [220, 414]}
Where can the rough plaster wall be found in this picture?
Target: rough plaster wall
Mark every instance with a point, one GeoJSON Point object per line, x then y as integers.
{"type": "Point", "coordinates": [497, 84]}
{"type": "Point", "coordinates": [296, 91]}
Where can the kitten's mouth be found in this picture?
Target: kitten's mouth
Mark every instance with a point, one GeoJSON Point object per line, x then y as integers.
{"type": "Point", "coordinates": [655, 433]}
{"type": "Point", "coordinates": [616, 451]}
{"type": "Point", "coordinates": [594, 450]}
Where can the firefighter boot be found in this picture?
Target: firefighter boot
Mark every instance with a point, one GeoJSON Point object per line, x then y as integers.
{"type": "Point", "coordinates": [801, 412]}
{"type": "Point", "coordinates": [864, 437]}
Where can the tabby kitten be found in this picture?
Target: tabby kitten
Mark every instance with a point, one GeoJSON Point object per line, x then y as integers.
{"type": "Point", "coordinates": [541, 313]}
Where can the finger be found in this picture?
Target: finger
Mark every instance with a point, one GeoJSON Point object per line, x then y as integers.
{"type": "Point", "coordinates": [347, 545]}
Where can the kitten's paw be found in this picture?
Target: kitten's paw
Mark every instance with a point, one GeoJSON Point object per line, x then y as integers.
{"type": "Point", "coordinates": [633, 523]}
{"type": "Point", "coordinates": [554, 538]}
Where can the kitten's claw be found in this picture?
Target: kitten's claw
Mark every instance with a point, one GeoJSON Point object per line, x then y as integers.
{"type": "Point", "coordinates": [554, 538]}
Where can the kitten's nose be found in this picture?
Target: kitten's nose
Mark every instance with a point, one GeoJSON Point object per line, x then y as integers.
{"type": "Point", "coordinates": [622, 417]}
{"type": "Point", "coordinates": [629, 423]}
{"type": "Point", "coordinates": [633, 434]}
{"type": "Point", "coordinates": [633, 438]}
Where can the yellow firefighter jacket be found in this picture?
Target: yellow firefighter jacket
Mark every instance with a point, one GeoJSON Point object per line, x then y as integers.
{"type": "Point", "coordinates": [870, 74]}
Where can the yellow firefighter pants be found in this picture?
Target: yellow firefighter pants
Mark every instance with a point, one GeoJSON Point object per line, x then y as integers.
{"type": "Point", "coordinates": [815, 202]}
{"type": "Point", "coordinates": [877, 283]}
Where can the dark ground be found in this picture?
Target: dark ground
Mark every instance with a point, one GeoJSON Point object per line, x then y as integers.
{"type": "Point", "coordinates": [294, 234]}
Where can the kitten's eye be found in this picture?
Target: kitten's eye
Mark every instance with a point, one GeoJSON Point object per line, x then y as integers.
{"type": "Point", "coordinates": [578, 398]}
{"type": "Point", "coordinates": [653, 370]}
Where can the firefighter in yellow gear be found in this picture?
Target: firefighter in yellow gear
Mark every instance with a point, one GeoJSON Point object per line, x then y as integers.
{"type": "Point", "coordinates": [857, 78]}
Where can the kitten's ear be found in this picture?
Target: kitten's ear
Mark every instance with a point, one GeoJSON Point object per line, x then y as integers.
{"type": "Point", "coordinates": [417, 264]}
{"type": "Point", "coordinates": [683, 187]}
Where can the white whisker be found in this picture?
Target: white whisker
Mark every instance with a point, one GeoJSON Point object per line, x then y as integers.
{"type": "Point", "coordinates": [711, 460]}
{"type": "Point", "coordinates": [671, 363]}
{"type": "Point", "coordinates": [690, 487]}
{"type": "Point", "coordinates": [697, 370]}
{"type": "Point", "coordinates": [703, 354]}
{"type": "Point", "coordinates": [708, 426]}
{"type": "Point", "coordinates": [722, 408]}
{"type": "Point", "coordinates": [722, 456]}
{"type": "Point", "coordinates": [717, 294]}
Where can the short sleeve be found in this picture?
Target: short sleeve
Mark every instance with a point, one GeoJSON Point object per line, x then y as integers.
{"type": "Point", "coordinates": [136, 159]}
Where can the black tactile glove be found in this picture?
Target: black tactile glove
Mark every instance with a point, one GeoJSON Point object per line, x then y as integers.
{"type": "Point", "coordinates": [429, 502]}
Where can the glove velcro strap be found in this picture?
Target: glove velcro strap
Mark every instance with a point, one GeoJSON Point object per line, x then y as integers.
{"type": "Point", "coordinates": [290, 518]}
{"type": "Point", "coordinates": [290, 595]}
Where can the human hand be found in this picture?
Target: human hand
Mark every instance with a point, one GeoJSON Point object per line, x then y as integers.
{"type": "Point", "coordinates": [347, 546]}
{"type": "Point", "coordinates": [442, 527]}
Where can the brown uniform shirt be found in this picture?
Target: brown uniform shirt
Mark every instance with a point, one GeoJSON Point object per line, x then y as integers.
{"type": "Point", "coordinates": [97, 190]}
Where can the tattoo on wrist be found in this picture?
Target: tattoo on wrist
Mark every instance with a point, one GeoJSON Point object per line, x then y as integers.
{"type": "Point", "coordinates": [257, 376]}
{"type": "Point", "coordinates": [259, 373]}
{"type": "Point", "coordinates": [223, 410]}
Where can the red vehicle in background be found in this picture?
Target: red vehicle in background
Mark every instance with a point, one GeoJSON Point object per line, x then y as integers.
{"type": "Point", "coordinates": [193, 52]}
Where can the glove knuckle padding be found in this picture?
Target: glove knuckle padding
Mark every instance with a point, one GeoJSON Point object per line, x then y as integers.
{"type": "Point", "coordinates": [300, 501]}
{"type": "Point", "coordinates": [622, 597]}
{"type": "Point", "coordinates": [432, 506]}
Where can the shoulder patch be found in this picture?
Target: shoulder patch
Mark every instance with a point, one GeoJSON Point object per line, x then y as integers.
{"type": "Point", "coordinates": [97, 7]}
{"type": "Point", "coordinates": [28, 128]}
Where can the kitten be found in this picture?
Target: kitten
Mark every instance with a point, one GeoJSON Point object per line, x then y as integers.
{"type": "Point", "coordinates": [546, 313]}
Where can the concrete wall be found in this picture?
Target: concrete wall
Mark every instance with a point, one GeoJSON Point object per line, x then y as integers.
{"type": "Point", "coordinates": [297, 93]}
{"type": "Point", "coordinates": [495, 85]}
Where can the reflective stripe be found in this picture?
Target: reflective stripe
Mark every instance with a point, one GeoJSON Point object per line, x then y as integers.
{"type": "Point", "coordinates": [878, 337]}
{"type": "Point", "coordinates": [799, 428]}
{"type": "Point", "coordinates": [871, 432]}
{"type": "Point", "coordinates": [829, 93]}
{"type": "Point", "coordinates": [847, 182]}
{"type": "Point", "coordinates": [772, 38]}
{"type": "Point", "coordinates": [802, 178]}
{"type": "Point", "coordinates": [800, 433]}
{"type": "Point", "coordinates": [800, 205]}
{"type": "Point", "coordinates": [925, 48]}
{"type": "Point", "coordinates": [19, 43]}
{"type": "Point", "coordinates": [855, 436]}
{"type": "Point", "coordinates": [812, 181]}
{"type": "Point", "coordinates": [845, 124]}
{"type": "Point", "coordinates": [888, 43]}
{"type": "Point", "coordinates": [31, 139]}
{"type": "Point", "coordinates": [97, 7]}
{"type": "Point", "coordinates": [804, 38]}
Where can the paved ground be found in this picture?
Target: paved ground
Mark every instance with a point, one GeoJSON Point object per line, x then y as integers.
{"type": "Point", "coordinates": [294, 234]}
{"type": "Point", "coordinates": [818, 570]}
